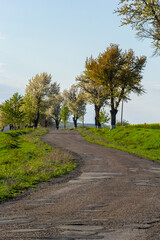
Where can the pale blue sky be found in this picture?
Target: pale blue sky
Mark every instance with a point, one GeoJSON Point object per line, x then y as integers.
{"type": "Point", "coordinates": [56, 36]}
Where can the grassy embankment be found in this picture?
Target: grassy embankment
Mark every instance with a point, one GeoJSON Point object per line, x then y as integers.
{"type": "Point", "coordinates": [25, 161]}
{"type": "Point", "coordinates": [141, 139]}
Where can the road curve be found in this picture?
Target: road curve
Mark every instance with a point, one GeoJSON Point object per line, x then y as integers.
{"type": "Point", "coordinates": [116, 196]}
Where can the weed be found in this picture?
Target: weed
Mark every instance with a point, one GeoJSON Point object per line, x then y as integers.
{"type": "Point", "coordinates": [30, 161]}
{"type": "Point", "coordinates": [141, 139]}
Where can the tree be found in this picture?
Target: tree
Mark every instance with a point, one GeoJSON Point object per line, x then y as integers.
{"type": "Point", "coordinates": [144, 17]}
{"type": "Point", "coordinates": [65, 113]}
{"type": "Point", "coordinates": [2, 120]}
{"type": "Point", "coordinates": [38, 89]}
{"type": "Point", "coordinates": [47, 121]}
{"type": "Point", "coordinates": [120, 73]}
{"type": "Point", "coordinates": [76, 103]}
{"type": "Point", "coordinates": [81, 119]}
{"type": "Point", "coordinates": [103, 117]}
{"type": "Point", "coordinates": [12, 112]}
{"type": "Point", "coordinates": [96, 95]}
{"type": "Point", "coordinates": [30, 109]}
{"type": "Point", "coordinates": [122, 123]}
{"type": "Point", "coordinates": [55, 110]}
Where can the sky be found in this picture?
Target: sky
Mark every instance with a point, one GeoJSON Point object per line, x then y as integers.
{"type": "Point", "coordinates": [56, 36]}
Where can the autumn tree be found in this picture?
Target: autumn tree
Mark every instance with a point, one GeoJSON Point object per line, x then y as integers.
{"type": "Point", "coordinates": [144, 17]}
{"type": "Point", "coordinates": [76, 103]}
{"type": "Point", "coordinates": [120, 73]}
{"type": "Point", "coordinates": [38, 89]}
{"type": "Point", "coordinates": [96, 95]}
{"type": "Point", "coordinates": [65, 113]}
{"type": "Point", "coordinates": [12, 112]}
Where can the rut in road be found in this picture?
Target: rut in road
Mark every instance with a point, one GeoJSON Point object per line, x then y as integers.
{"type": "Point", "coordinates": [115, 196]}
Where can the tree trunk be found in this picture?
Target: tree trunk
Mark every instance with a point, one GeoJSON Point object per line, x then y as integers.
{"type": "Point", "coordinates": [64, 123]}
{"type": "Point", "coordinates": [113, 118]}
{"type": "Point", "coordinates": [57, 124]}
{"type": "Point", "coordinates": [75, 121]}
{"type": "Point", "coordinates": [97, 122]}
{"type": "Point", "coordinates": [45, 123]}
{"type": "Point", "coordinates": [36, 120]}
{"type": "Point", "coordinates": [122, 114]}
{"type": "Point", "coordinates": [83, 123]}
{"type": "Point", "coordinates": [113, 114]}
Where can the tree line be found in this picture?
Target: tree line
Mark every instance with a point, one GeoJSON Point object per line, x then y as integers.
{"type": "Point", "coordinates": [106, 80]}
{"type": "Point", "coordinates": [43, 104]}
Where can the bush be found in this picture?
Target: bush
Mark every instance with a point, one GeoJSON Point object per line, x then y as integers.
{"type": "Point", "coordinates": [124, 123]}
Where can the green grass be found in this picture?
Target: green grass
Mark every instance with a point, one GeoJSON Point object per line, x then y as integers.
{"type": "Point", "coordinates": [25, 160]}
{"type": "Point", "coordinates": [142, 139]}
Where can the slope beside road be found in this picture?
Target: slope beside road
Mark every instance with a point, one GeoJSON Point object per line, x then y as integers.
{"type": "Point", "coordinates": [114, 196]}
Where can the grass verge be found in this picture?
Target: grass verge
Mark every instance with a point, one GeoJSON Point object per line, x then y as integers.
{"type": "Point", "coordinates": [142, 140]}
{"type": "Point", "coordinates": [25, 160]}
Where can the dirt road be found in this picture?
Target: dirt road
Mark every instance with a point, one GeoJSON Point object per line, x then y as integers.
{"type": "Point", "coordinates": [114, 196]}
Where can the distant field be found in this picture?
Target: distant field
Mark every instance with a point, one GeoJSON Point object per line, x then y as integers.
{"type": "Point", "coordinates": [25, 161]}
{"type": "Point", "coordinates": [141, 139]}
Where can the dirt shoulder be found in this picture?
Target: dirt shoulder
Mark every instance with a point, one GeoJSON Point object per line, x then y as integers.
{"type": "Point", "coordinates": [112, 195]}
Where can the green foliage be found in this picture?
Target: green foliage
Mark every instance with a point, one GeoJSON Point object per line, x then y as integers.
{"type": "Point", "coordinates": [2, 120]}
{"type": "Point", "coordinates": [54, 110]}
{"type": "Point", "coordinates": [145, 125]}
{"type": "Point", "coordinates": [75, 100]}
{"type": "Point", "coordinates": [124, 123]}
{"type": "Point", "coordinates": [120, 73]}
{"type": "Point", "coordinates": [25, 161]}
{"type": "Point", "coordinates": [37, 95]}
{"type": "Point", "coordinates": [29, 109]}
{"type": "Point", "coordinates": [142, 139]}
{"type": "Point", "coordinates": [96, 95]}
{"type": "Point", "coordinates": [144, 17]}
{"type": "Point", "coordinates": [65, 113]}
{"type": "Point", "coordinates": [11, 111]}
{"type": "Point", "coordinates": [103, 117]}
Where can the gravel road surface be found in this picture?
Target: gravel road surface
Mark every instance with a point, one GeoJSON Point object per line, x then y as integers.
{"type": "Point", "coordinates": [112, 195]}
